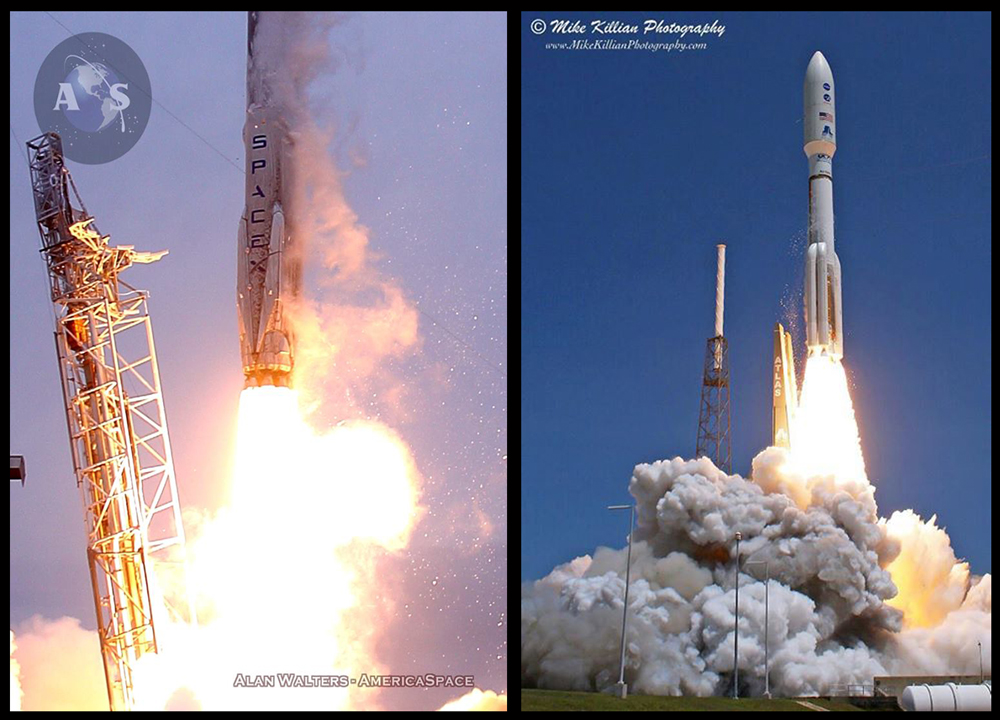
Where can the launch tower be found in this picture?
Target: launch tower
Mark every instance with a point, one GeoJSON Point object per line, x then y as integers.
{"type": "Point", "coordinates": [713, 419]}
{"type": "Point", "coordinates": [115, 416]}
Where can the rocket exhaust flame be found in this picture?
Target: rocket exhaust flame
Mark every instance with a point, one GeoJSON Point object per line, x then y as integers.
{"type": "Point", "coordinates": [824, 431]}
{"type": "Point", "coordinates": [311, 548]}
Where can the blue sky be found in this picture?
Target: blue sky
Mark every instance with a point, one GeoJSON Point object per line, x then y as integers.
{"type": "Point", "coordinates": [423, 97]}
{"type": "Point", "coordinates": [635, 164]}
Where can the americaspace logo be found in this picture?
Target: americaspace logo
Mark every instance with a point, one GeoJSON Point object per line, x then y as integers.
{"type": "Point", "coordinates": [94, 91]}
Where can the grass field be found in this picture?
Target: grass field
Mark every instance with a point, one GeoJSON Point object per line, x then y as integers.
{"type": "Point", "coordinates": [561, 700]}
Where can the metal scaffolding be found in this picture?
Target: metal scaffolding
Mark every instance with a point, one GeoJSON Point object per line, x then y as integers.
{"type": "Point", "coordinates": [713, 418]}
{"type": "Point", "coordinates": [116, 421]}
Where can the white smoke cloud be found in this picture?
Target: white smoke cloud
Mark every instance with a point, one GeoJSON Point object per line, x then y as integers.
{"type": "Point", "coordinates": [60, 666]}
{"type": "Point", "coordinates": [15, 682]}
{"type": "Point", "coordinates": [829, 622]}
{"type": "Point", "coordinates": [951, 646]}
{"type": "Point", "coordinates": [478, 700]}
{"type": "Point", "coordinates": [356, 317]}
{"type": "Point", "coordinates": [932, 582]}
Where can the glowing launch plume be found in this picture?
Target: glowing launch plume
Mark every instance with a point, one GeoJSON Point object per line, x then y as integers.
{"type": "Point", "coordinates": [15, 683]}
{"type": "Point", "coordinates": [478, 700]}
{"type": "Point", "coordinates": [286, 573]}
{"type": "Point", "coordinates": [824, 433]}
{"type": "Point", "coordinates": [829, 621]}
{"type": "Point", "coordinates": [842, 581]}
{"type": "Point", "coordinates": [931, 581]}
{"type": "Point", "coordinates": [59, 665]}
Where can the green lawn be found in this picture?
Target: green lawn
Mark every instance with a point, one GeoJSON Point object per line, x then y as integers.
{"type": "Point", "coordinates": [834, 704]}
{"type": "Point", "coordinates": [561, 700]}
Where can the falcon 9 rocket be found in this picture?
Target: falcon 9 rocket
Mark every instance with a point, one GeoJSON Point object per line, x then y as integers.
{"type": "Point", "coordinates": [268, 268]}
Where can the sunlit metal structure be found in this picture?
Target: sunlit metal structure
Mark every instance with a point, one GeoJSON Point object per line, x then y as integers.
{"type": "Point", "coordinates": [115, 416]}
{"type": "Point", "coordinates": [713, 418]}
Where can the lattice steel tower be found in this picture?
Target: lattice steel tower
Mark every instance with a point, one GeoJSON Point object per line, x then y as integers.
{"type": "Point", "coordinates": [117, 426]}
{"type": "Point", "coordinates": [713, 418]}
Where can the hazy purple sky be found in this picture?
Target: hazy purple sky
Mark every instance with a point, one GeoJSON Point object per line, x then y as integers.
{"type": "Point", "coordinates": [424, 96]}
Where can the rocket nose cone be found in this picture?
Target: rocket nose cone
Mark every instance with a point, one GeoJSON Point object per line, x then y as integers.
{"type": "Point", "coordinates": [819, 69]}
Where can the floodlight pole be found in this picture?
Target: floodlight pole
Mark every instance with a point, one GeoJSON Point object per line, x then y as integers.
{"type": "Point", "coordinates": [981, 679]}
{"type": "Point", "coordinates": [622, 687]}
{"type": "Point", "coordinates": [736, 627]}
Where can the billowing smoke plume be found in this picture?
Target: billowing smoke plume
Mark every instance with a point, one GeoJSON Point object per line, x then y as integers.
{"type": "Point", "coordinates": [478, 700]}
{"type": "Point", "coordinates": [931, 581]}
{"type": "Point", "coordinates": [831, 563]}
{"type": "Point", "coordinates": [58, 665]}
{"type": "Point", "coordinates": [15, 681]}
{"type": "Point", "coordinates": [357, 317]}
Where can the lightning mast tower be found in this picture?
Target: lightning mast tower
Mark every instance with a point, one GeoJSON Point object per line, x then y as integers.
{"type": "Point", "coordinates": [713, 419]}
{"type": "Point", "coordinates": [115, 416]}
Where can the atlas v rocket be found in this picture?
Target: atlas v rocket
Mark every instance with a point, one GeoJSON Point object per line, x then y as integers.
{"type": "Point", "coordinates": [268, 270]}
{"type": "Point", "coordinates": [824, 318]}
{"type": "Point", "coordinates": [824, 314]}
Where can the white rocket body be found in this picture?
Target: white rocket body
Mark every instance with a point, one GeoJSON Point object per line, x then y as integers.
{"type": "Point", "coordinates": [268, 267]}
{"type": "Point", "coordinates": [824, 314]}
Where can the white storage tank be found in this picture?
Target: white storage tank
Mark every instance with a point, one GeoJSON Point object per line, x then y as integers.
{"type": "Point", "coordinates": [950, 697]}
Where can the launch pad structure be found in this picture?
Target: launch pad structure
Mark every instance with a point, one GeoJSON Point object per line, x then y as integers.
{"type": "Point", "coordinates": [713, 418]}
{"type": "Point", "coordinates": [116, 420]}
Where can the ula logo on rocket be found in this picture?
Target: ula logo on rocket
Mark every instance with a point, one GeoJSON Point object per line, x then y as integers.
{"type": "Point", "coordinates": [94, 91]}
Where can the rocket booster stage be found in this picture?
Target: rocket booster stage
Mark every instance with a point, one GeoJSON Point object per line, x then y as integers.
{"type": "Point", "coordinates": [268, 272]}
{"type": "Point", "coordinates": [824, 319]}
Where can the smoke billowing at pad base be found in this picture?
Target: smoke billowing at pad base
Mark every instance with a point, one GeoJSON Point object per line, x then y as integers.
{"type": "Point", "coordinates": [830, 623]}
{"type": "Point", "coordinates": [851, 595]}
{"type": "Point", "coordinates": [478, 700]}
{"type": "Point", "coordinates": [56, 665]}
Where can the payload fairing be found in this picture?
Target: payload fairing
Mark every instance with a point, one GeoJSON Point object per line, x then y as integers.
{"type": "Point", "coordinates": [824, 318]}
{"type": "Point", "coordinates": [268, 272]}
